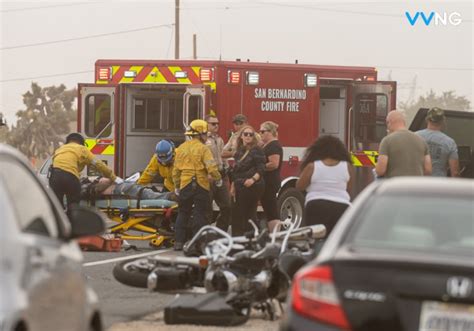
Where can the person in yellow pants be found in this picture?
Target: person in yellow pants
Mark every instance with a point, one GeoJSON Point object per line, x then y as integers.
{"type": "Point", "coordinates": [68, 162]}
{"type": "Point", "coordinates": [193, 164]}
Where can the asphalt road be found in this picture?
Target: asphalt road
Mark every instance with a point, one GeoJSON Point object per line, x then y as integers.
{"type": "Point", "coordinates": [128, 308]}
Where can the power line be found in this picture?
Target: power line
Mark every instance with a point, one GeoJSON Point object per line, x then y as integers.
{"type": "Point", "coordinates": [47, 7]}
{"type": "Point", "coordinates": [86, 37]}
{"type": "Point", "coordinates": [46, 76]}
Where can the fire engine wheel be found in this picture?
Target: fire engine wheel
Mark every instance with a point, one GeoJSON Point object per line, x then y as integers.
{"type": "Point", "coordinates": [291, 204]}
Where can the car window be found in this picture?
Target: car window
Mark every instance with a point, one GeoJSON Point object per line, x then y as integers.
{"type": "Point", "coordinates": [430, 223]}
{"type": "Point", "coordinates": [30, 203]}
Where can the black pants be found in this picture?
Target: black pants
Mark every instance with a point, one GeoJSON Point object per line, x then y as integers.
{"type": "Point", "coordinates": [222, 198]}
{"type": "Point", "coordinates": [324, 212]}
{"type": "Point", "coordinates": [188, 197]}
{"type": "Point", "coordinates": [269, 203]}
{"type": "Point", "coordinates": [66, 184]}
{"type": "Point", "coordinates": [245, 207]}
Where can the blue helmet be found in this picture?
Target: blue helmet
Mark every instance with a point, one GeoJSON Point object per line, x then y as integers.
{"type": "Point", "coordinates": [164, 151]}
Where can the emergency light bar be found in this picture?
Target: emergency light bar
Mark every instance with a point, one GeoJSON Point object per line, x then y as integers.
{"type": "Point", "coordinates": [105, 73]}
{"type": "Point", "coordinates": [130, 74]}
{"type": "Point", "coordinates": [181, 74]}
{"type": "Point", "coordinates": [252, 77]}
{"type": "Point", "coordinates": [310, 80]}
{"type": "Point", "coordinates": [206, 74]}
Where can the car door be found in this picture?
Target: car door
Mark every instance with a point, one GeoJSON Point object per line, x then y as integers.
{"type": "Point", "coordinates": [50, 272]}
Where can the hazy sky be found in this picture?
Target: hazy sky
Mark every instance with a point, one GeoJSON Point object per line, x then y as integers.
{"type": "Point", "coordinates": [370, 33]}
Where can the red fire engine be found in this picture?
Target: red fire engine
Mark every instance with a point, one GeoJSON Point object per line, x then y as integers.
{"type": "Point", "coordinates": [135, 103]}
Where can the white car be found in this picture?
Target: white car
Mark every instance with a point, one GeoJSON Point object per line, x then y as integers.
{"type": "Point", "coordinates": [41, 284]}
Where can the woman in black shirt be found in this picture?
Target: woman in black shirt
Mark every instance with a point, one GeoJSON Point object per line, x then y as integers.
{"type": "Point", "coordinates": [274, 157]}
{"type": "Point", "coordinates": [247, 181]}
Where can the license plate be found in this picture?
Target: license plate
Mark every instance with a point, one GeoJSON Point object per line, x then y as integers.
{"type": "Point", "coordinates": [440, 316]}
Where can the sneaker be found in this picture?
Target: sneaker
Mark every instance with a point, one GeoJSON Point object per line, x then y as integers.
{"type": "Point", "coordinates": [178, 246]}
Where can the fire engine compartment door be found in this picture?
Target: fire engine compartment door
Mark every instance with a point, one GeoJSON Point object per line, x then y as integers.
{"type": "Point", "coordinates": [194, 101]}
{"type": "Point", "coordinates": [371, 101]}
{"type": "Point", "coordinates": [97, 122]}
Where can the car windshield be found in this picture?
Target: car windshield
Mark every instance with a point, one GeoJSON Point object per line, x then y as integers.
{"type": "Point", "coordinates": [442, 225]}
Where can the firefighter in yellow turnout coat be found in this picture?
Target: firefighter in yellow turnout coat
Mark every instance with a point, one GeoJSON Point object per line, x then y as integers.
{"type": "Point", "coordinates": [193, 164]}
{"type": "Point", "coordinates": [68, 162]}
{"type": "Point", "coordinates": [161, 163]}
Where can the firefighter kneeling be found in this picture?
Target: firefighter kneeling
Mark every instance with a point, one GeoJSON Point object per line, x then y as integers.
{"type": "Point", "coordinates": [193, 164]}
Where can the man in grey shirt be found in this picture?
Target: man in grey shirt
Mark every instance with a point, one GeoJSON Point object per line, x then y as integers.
{"type": "Point", "coordinates": [402, 152]}
{"type": "Point", "coordinates": [443, 149]}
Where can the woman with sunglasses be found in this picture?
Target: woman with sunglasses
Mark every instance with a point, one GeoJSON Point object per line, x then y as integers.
{"type": "Point", "coordinates": [247, 180]}
{"type": "Point", "coordinates": [274, 156]}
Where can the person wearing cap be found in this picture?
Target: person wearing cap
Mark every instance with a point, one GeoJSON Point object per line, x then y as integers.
{"type": "Point", "coordinates": [238, 121]}
{"type": "Point", "coordinates": [443, 149]}
{"type": "Point", "coordinates": [402, 152]}
{"type": "Point", "coordinates": [68, 162]}
{"type": "Point", "coordinates": [161, 163]}
{"type": "Point", "coordinates": [192, 167]}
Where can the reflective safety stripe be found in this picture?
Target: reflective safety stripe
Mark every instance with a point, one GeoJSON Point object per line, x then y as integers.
{"type": "Point", "coordinates": [101, 146]}
{"type": "Point", "coordinates": [154, 74]}
{"type": "Point", "coordinates": [364, 158]}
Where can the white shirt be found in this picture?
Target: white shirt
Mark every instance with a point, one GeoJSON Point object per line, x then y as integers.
{"type": "Point", "coordinates": [329, 183]}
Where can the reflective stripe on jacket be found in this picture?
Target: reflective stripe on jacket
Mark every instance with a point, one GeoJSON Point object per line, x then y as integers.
{"type": "Point", "coordinates": [73, 158]}
{"type": "Point", "coordinates": [154, 168]}
{"type": "Point", "coordinates": [193, 158]}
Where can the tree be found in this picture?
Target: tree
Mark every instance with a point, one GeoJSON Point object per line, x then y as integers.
{"type": "Point", "coordinates": [40, 127]}
{"type": "Point", "coordinates": [447, 100]}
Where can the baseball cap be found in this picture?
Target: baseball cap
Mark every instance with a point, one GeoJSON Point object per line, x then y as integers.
{"type": "Point", "coordinates": [435, 115]}
{"type": "Point", "coordinates": [239, 118]}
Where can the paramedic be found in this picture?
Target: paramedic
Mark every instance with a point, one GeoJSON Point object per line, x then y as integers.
{"type": "Point", "coordinates": [161, 163]}
{"type": "Point", "coordinates": [68, 162]}
{"type": "Point", "coordinates": [193, 164]}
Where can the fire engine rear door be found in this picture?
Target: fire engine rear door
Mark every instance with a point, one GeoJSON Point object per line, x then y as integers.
{"type": "Point", "coordinates": [97, 117]}
{"type": "Point", "coordinates": [371, 101]}
{"type": "Point", "coordinates": [194, 101]}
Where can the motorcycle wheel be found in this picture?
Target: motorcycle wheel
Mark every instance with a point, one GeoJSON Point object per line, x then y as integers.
{"type": "Point", "coordinates": [128, 273]}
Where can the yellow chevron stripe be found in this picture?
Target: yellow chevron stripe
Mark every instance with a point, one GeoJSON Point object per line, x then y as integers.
{"type": "Point", "coordinates": [137, 69]}
{"type": "Point", "coordinates": [180, 80]}
{"type": "Point", "coordinates": [355, 161]}
{"type": "Point", "coordinates": [90, 143]}
{"type": "Point", "coordinates": [110, 150]}
{"type": "Point", "coordinates": [196, 71]}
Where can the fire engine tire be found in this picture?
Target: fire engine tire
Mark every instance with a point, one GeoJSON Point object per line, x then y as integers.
{"type": "Point", "coordinates": [291, 206]}
{"type": "Point", "coordinates": [127, 273]}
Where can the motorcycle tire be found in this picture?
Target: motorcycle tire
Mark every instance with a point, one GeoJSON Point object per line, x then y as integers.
{"type": "Point", "coordinates": [127, 274]}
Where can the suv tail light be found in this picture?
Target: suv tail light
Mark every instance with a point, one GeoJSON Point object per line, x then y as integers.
{"type": "Point", "coordinates": [314, 295]}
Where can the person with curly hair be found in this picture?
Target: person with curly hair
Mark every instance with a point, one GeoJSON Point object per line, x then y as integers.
{"type": "Point", "coordinates": [326, 176]}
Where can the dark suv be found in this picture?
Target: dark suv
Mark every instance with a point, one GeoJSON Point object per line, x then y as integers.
{"type": "Point", "coordinates": [460, 127]}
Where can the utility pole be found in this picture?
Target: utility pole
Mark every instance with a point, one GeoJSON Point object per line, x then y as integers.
{"type": "Point", "coordinates": [176, 30]}
{"type": "Point", "coordinates": [194, 47]}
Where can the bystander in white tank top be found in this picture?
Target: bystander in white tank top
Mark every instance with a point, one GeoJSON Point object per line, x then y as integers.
{"type": "Point", "coordinates": [329, 183]}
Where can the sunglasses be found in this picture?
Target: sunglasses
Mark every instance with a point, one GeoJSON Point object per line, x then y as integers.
{"type": "Point", "coordinates": [263, 131]}
{"type": "Point", "coordinates": [238, 123]}
{"type": "Point", "coordinates": [247, 134]}
{"type": "Point", "coordinates": [213, 123]}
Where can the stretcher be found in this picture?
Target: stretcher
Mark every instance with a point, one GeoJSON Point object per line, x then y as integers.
{"type": "Point", "coordinates": [151, 218]}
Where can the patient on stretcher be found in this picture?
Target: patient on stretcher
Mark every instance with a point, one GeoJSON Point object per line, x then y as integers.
{"type": "Point", "coordinates": [105, 186]}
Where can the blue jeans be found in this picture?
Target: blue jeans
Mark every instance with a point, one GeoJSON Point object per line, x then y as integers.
{"type": "Point", "coordinates": [188, 197]}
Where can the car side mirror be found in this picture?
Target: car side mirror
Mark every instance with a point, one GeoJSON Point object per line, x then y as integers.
{"type": "Point", "coordinates": [85, 221]}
